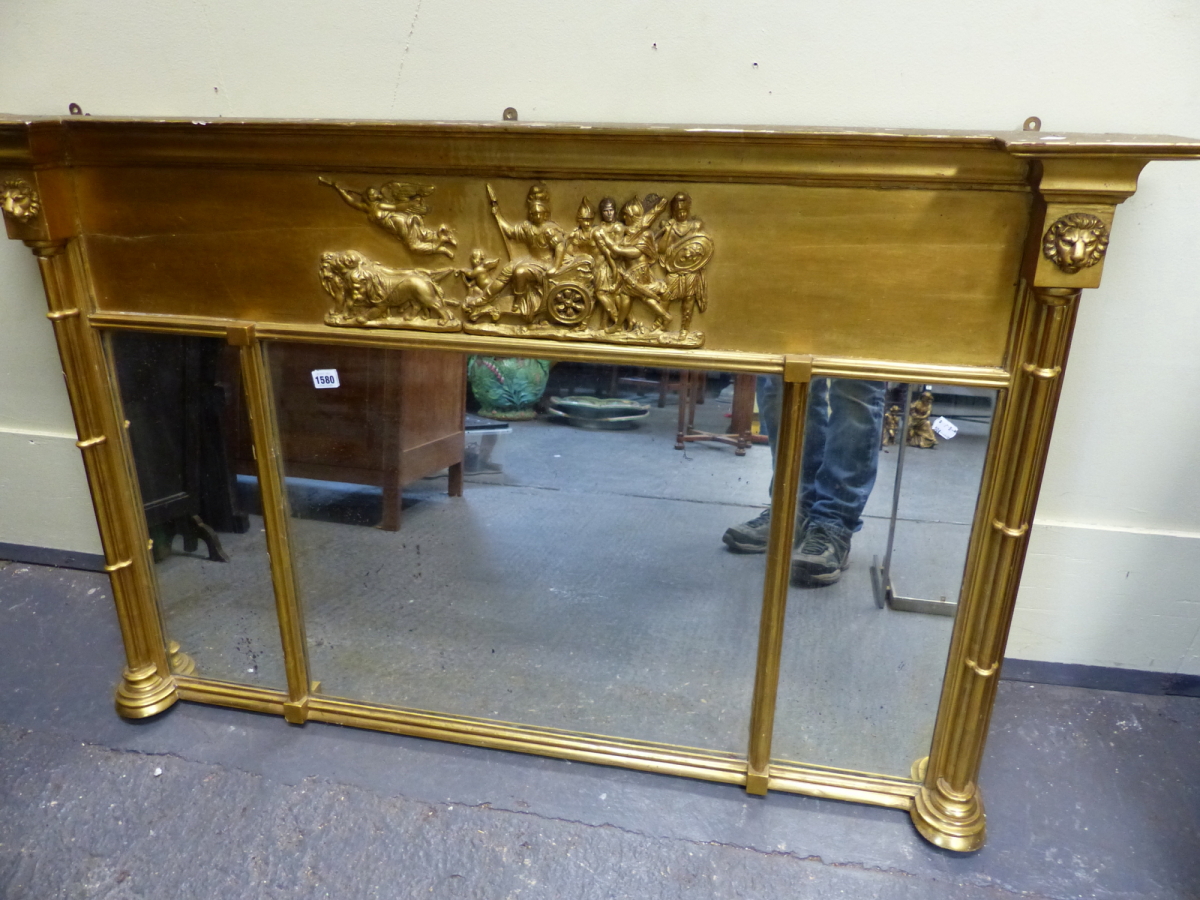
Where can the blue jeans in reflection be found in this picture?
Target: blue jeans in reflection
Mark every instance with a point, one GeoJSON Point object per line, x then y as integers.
{"type": "Point", "coordinates": [841, 446]}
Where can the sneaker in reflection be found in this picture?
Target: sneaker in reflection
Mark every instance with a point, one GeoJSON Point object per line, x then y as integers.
{"type": "Point", "coordinates": [750, 537]}
{"type": "Point", "coordinates": [820, 557]}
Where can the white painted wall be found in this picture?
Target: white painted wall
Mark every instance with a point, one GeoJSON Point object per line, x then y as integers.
{"type": "Point", "coordinates": [1111, 578]}
{"type": "Point", "coordinates": [44, 499]}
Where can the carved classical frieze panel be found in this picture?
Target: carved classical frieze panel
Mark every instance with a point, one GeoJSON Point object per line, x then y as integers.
{"type": "Point", "coordinates": [633, 274]}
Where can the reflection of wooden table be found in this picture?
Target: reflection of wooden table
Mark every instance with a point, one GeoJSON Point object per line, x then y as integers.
{"type": "Point", "coordinates": [396, 417]}
{"type": "Point", "coordinates": [691, 392]}
{"type": "Point", "coordinates": [661, 380]}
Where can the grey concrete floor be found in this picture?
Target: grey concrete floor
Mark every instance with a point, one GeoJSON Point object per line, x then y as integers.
{"type": "Point", "coordinates": [1089, 794]}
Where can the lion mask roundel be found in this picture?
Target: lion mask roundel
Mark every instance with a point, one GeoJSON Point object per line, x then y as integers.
{"type": "Point", "coordinates": [1075, 242]}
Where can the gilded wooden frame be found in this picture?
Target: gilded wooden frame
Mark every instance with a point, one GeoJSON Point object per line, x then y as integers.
{"type": "Point", "coordinates": [68, 182]}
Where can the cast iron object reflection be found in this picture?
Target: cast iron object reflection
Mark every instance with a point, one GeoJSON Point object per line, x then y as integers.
{"type": "Point", "coordinates": [899, 420]}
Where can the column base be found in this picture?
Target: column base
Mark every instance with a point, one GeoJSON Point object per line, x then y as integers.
{"type": "Point", "coordinates": [918, 769]}
{"type": "Point", "coordinates": [951, 822]}
{"type": "Point", "coordinates": [295, 712]}
{"type": "Point", "coordinates": [756, 783]}
{"type": "Point", "coordinates": [144, 692]}
{"type": "Point", "coordinates": [180, 662]}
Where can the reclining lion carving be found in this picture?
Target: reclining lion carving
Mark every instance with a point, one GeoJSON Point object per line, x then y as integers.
{"type": "Point", "coordinates": [366, 292]}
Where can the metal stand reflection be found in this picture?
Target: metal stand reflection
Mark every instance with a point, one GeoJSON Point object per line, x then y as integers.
{"type": "Point", "coordinates": [886, 594]}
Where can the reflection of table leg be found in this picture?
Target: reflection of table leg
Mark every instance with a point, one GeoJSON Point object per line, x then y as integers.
{"type": "Point", "coordinates": [691, 390]}
{"type": "Point", "coordinates": [194, 530]}
{"type": "Point", "coordinates": [687, 409]}
{"type": "Point", "coordinates": [743, 411]}
{"type": "Point", "coordinates": [390, 434]}
{"type": "Point", "coordinates": [393, 499]}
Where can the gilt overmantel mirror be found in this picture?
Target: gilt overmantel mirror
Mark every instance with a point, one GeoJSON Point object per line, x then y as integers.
{"type": "Point", "coordinates": [709, 452]}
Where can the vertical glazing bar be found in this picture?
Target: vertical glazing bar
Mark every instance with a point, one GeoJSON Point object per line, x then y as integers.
{"type": "Point", "coordinates": [789, 447]}
{"type": "Point", "coordinates": [260, 404]}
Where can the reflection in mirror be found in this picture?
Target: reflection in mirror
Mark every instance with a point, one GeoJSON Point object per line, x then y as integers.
{"type": "Point", "coordinates": [890, 480]}
{"type": "Point", "coordinates": [190, 441]}
{"type": "Point", "coordinates": [579, 581]}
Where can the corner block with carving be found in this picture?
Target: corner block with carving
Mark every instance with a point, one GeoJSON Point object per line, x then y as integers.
{"type": "Point", "coordinates": [1076, 241]}
{"type": "Point", "coordinates": [19, 200]}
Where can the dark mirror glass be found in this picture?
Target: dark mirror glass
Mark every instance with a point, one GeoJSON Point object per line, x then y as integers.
{"type": "Point", "coordinates": [190, 438]}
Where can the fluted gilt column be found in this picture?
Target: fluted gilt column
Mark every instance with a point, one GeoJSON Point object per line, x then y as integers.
{"type": "Point", "coordinates": [948, 810]}
{"type": "Point", "coordinates": [147, 686]}
{"type": "Point", "coordinates": [1070, 226]}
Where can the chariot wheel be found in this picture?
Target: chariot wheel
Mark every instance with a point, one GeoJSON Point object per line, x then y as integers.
{"type": "Point", "coordinates": [569, 303]}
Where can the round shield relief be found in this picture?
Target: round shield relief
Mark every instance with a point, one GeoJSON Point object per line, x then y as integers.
{"type": "Point", "coordinates": [688, 255]}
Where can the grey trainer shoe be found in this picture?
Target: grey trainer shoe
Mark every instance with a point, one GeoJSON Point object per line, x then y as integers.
{"type": "Point", "coordinates": [821, 557]}
{"type": "Point", "coordinates": [750, 537]}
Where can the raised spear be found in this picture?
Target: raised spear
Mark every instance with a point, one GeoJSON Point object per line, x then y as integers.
{"type": "Point", "coordinates": [496, 213]}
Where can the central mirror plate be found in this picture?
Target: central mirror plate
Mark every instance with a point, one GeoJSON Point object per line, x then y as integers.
{"type": "Point", "coordinates": [579, 582]}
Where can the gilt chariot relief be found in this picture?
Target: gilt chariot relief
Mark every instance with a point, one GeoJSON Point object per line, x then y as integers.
{"type": "Point", "coordinates": [636, 276]}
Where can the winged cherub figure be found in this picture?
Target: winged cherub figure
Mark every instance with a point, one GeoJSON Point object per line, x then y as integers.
{"type": "Point", "coordinates": [398, 207]}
